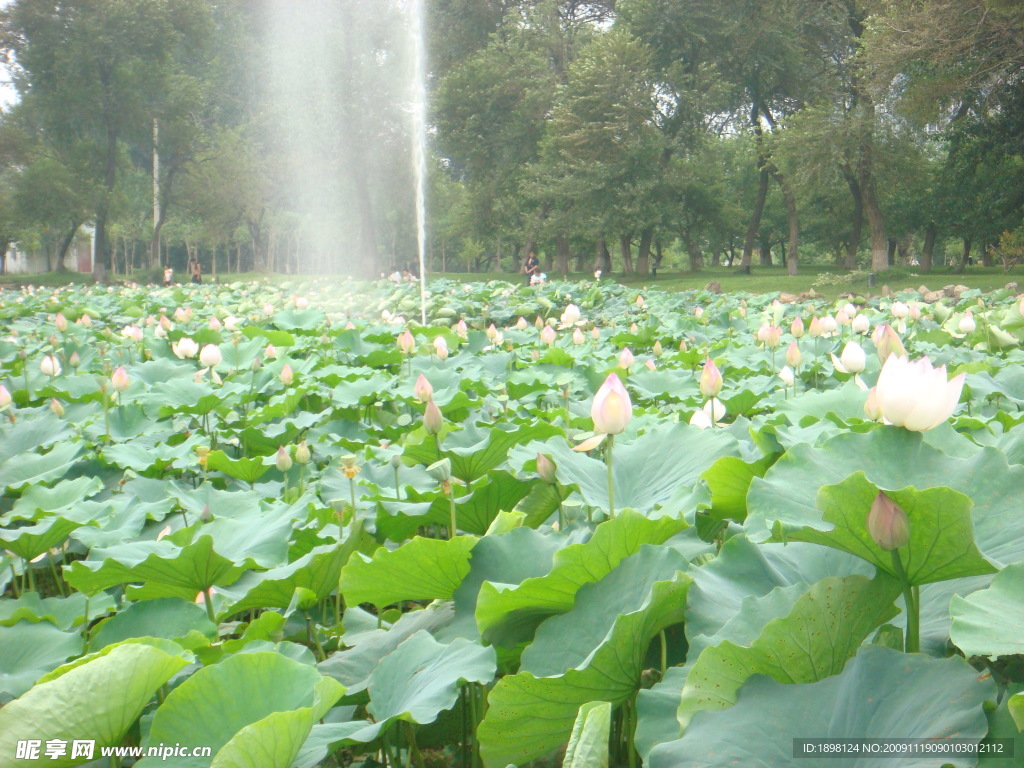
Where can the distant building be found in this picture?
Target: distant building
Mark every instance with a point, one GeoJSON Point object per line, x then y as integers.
{"type": "Point", "coordinates": [77, 259]}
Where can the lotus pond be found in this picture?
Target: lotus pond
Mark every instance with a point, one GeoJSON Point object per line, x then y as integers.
{"type": "Point", "coordinates": [291, 524]}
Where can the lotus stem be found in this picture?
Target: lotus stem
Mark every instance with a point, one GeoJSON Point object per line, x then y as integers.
{"type": "Point", "coordinates": [208, 601]}
{"type": "Point", "coordinates": [56, 577]}
{"type": "Point", "coordinates": [451, 505]}
{"type": "Point", "coordinates": [912, 643]}
{"type": "Point", "coordinates": [398, 490]}
{"type": "Point", "coordinates": [664, 652]}
{"type": "Point", "coordinates": [14, 582]}
{"type": "Point", "coordinates": [611, 477]}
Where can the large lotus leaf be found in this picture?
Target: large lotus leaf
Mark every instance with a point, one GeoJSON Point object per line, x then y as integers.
{"type": "Point", "coordinates": [236, 707]}
{"type": "Point", "coordinates": [588, 743]}
{"type": "Point", "coordinates": [38, 500]}
{"type": "Point", "coordinates": [78, 703]}
{"type": "Point", "coordinates": [882, 693]}
{"type": "Point", "coordinates": [32, 468]}
{"type": "Point", "coordinates": [168, 617]}
{"type": "Point", "coordinates": [222, 503]}
{"type": "Point", "coordinates": [508, 614]}
{"type": "Point", "coordinates": [941, 544]}
{"type": "Point", "coordinates": [316, 571]}
{"type": "Point", "coordinates": [892, 457]}
{"type": "Point", "coordinates": [990, 622]}
{"type": "Point", "coordinates": [353, 666]}
{"type": "Point", "coordinates": [421, 677]}
{"type": "Point", "coordinates": [648, 472]}
{"type": "Point", "coordinates": [1016, 708]}
{"type": "Point", "coordinates": [823, 630]}
{"type": "Point", "coordinates": [567, 640]}
{"type": "Point", "coordinates": [28, 651]}
{"type": "Point", "coordinates": [845, 403]}
{"type": "Point", "coordinates": [30, 541]}
{"type": "Point", "coordinates": [530, 716]}
{"type": "Point", "coordinates": [420, 569]}
{"type": "Point", "coordinates": [729, 481]}
{"type": "Point", "coordinates": [166, 569]}
{"type": "Point", "coordinates": [62, 612]}
{"type": "Point", "coordinates": [24, 435]}
{"type": "Point", "coordinates": [249, 470]}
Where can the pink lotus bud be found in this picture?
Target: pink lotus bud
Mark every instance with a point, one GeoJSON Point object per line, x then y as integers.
{"type": "Point", "coordinates": [270, 352]}
{"type": "Point", "coordinates": [634, 329]}
{"type": "Point", "coordinates": [432, 418]}
{"type": "Point", "coordinates": [282, 460]}
{"type": "Point", "coordinates": [710, 379]}
{"type": "Point", "coordinates": [350, 326]}
{"type": "Point", "coordinates": [184, 348]}
{"type": "Point", "coordinates": [301, 302]}
{"type": "Point", "coordinates": [915, 395]}
{"type": "Point", "coordinates": [853, 358]}
{"type": "Point", "coordinates": [60, 322]}
{"type": "Point", "coordinates": [888, 343]}
{"type": "Point", "coordinates": [546, 469]}
{"type": "Point", "coordinates": [793, 356]}
{"type": "Point", "coordinates": [682, 345]}
{"type": "Point", "coordinates": [640, 301]}
{"type": "Point", "coordinates": [183, 315]}
{"type": "Point", "coordinates": [268, 309]}
{"type": "Point", "coordinates": [521, 324]}
{"type": "Point", "coordinates": [915, 312]}
{"type": "Point", "coordinates": [578, 337]}
{"type": "Point", "coordinates": [849, 310]}
{"type": "Point", "coordinates": [5, 397]}
{"type": "Point", "coordinates": [491, 332]}
{"type": "Point", "coordinates": [626, 359]}
{"type": "Point", "coordinates": [658, 350]}
{"type": "Point", "coordinates": [214, 324]}
{"type": "Point", "coordinates": [612, 408]}
{"type": "Point", "coordinates": [649, 364]}
{"type": "Point", "coordinates": [50, 366]}
{"type": "Point", "coordinates": [871, 408]}
{"type": "Point", "coordinates": [422, 390]}
{"type": "Point", "coordinates": [888, 523]}
{"type": "Point", "coordinates": [461, 329]}
{"type": "Point", "coordinates": [406, 343]}
{"type": "Point", "coordinates": [538, 323]}
{"type": "Point", "coordinates": [210, 357]}
{"type": "Point", "coordinates": [85, 321]}
{"type": "Point", "coordinates": [797, 328]}
{"type": "Point", "coordinates": [441, 348]}
{"type": "Point", "coordinates": [56, 407]}
{"type": "Point", "coordinates": [499, 337]}
{"type": "Point", "coordinates": [166, 324]}
{"type": "Point", "coordinates": [548, 335]}
{"type": "Point", "coordinates": [535, 355]}
{"type": "Point", "coordinates": [967, 324]}
{"type": "Point", "coordinates": [828, 324]}
{"type": "Point", "coordinates": [815, 330]}
{"type": "Point", "coordinates": [595, 334]}
{"type": "Point", "coordinates": [287, 375]}
{"type": "Point", "coordinates": [74, 361]}
{"type": "Point", "coordinates": [119, 379]}
{"type": "Point", "coordinates": [773, 336]}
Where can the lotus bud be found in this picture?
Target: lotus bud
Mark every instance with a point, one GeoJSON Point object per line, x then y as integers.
{"type": "Point", "coordinates": [578, 337]}
{"type": "Point", "coordinates": [268, 309]}
{"type": "Point", "coordinates": [535, 355]}
{"type": "Point", "coordinates": [773, 337]}
{"type": "Point", "coordinates": [302, 453]}
{"type": "Point", "coordinates": [202, 455]}
{"type": "Point", "coordinates": [538, 323]}
{"type": "Point", "coordinates": [214, 324]}
{"type": "Point", "coordinates": [888, 523]}
{"type": "Point", "coordinates": [640, 301]}
{"type": "Point", "coordinates": [61, 322]}
{"type": "Point", "coordinates": [86, 321]}
{"type": "Point", "coordinates": [270, 352]}
{"type": "Point", "coordinates": [50, 366]}
{"type": "Point", "coordinates": [571, 315]}
{"type": "Point", "coordinates": [255, 364]}
{"type": "Point", "coordinates": [166, 324]}
{"type": "Point", "coordinates": [698, 312]}
{"type": "Point", "coordinates": [461, 329]}
{"type": "Point", "coordinates": [828, 324]}
{"type": "Point", "coordinates": [491, 331]}
{"type": "Point", "coordinates": [888, 343]}
{"type": "Point", "coordinates": [899, 310]}
{"type": "Point", "coordinates": [349, 465]}
{"type": "Point", "coordinates": [797, 328]}
{"type": "Point", "coordinates": [793, 356]}
{"type": "Point", "coordinates": [634, 329]}
{"type": "Point", "coordinates": [521, 324]}
{"type": "Point", "coordinates": [658, 350]}
{"type": "Point", "coordinates": [119, 379]}
{"type": "Point", "coordinates": [595, 334]}
{"type": "Point", "coordinates": [350, 326]}
{"type": "Point", "coordinates": [871, 408]}
{"type": "Point", "coordinates": [432, 418]}
{"type": "Point", "coordinates": [56, 407]}
{"type": "Point", "coordinates": [5, 397]}
{"type": "Point", "coordinates": [301, 302]}
{"type": "Point", "coordinates": [715, 409]}
{"type": "Point", "coordinates": [853, 358]}
{"type": "Point", "coordinates": [967, 324]}
{"type": "Point", "coordinates": [710, 379]}
{"type": "Point", "coordinates": [682, 345]}
{"type": "Point", "coordinates": [406, 343]}
{"type": "Point", "coordinates": [861, 324]}
{"type": "Point", "coordinates": [611, 409]}
{"type": "Point", "coordinates": [287, 375]}
{"type": "Point", "coordinates": [762, 333]}
{"type": "Point", "coordinates": [422, 390]}
{"type": "Point", "coordinates": [548, 335]}
{"type": "Point", "coordinates": [74, 361]}
{"type": "Point", "coordinates": [786, 374]}
{"type": "Point", "coordinates": [849, 310]}
{"type": "Point", "coordinates": [395, 461]}
{"type": "Point", "coordinates": [206, 516]}
{"type": "Point", "coordinates": [499, 337]}
{"type": "Point", "coordinates": [210, 357]}
{"type": "Point", "coordinates": [546, 469]}
{"type": "Point", "coordinates": [915, 312]}
{"type": "Point", "coordinates": [441, 470]}
{"type": "Point", "coordinates": [815, 329]}
{"type": "Point", "coordinates": [52, 340]}
{"type": "Point", "coordinates": [282, 460]}
{"type": "Point", "coordinates": [649, 364]}
{"type": "Point", "coordinates": [184, 348]}
{"type": "Point", "coordinates": [626, 359]}
{"type": "Point", "coordinates": [915, 395]}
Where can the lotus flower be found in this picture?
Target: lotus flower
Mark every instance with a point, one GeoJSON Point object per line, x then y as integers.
{"type": "Point", "coordinates": [282, 460]}
{"type": "Point", "coordinates": [967, 324]}
{"type": "Point", "coordinates": [571, 315]}
{"type": "Point", "coordinates": [793, 356]}
{"type": "Point", "coordinates": [406, 343]}
{"type": "Point", "coordinates": [710, 379]}
{"type": "Point", "coordinates": [422, 389]}
{"type": "Point", "coordinates": [50, 366]}
{"type": "Point", "coordinates": [650, 364]}
{"type": "Point", "coordinates": [899, 310]}
{"type": "Point", "coordinates": [861, 324]}
{"type": "Point", "coordinates": [5, 397]}
{"type": "Point", "coordinates": [852, 360]}
{"type": "Point", "coordinates": [210, 356]}
{"type": "Point", "coordinates": [626, 359]}
{"type": "Point", "coordinates": [287, 375]}
{"type": "Point", "coordinates": [432, 418]}
{"type": "Point", "coordinates": [915, 395]}
{"type": "Point", "coordinates": [183, 314]}
{"type": "Point", "coordinates": [301, 302]}
{"type": "Point", "coordinates": [548, 335]}
{"type": "Point", "coordinates": [546, 469]}
{"type": "Point", "coordinates": [184, 348]}
{"type": "Point", "coordinates": [119, 379]}
{"type": "Point", "coordinates": [888, 523]}
{"type": "Point", "coordinates": [797, 328]}
{"type": "Point", "coordinates": [612, 408]}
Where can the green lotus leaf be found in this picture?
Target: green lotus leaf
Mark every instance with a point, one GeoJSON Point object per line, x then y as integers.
{"type": "Point", "coordinates": [1001, 726]}
{"type": "Point", "coordinates": [77, 703]}
{"type": "Point", "coordinates": [24, 436]}
{"type": "Point", "coordinates": [249, 470]}
{"type": "Point", "coordinates": [170, 618]}
{"type": "Point", "coordinates": [28, 651]}
{"type": "Point", "coordinates": [593, 653]}
{"type": "Point", "coordinates": [62, 612]}
{"type": "Point", "coordinates": [882, 693]}
{"type": "Point", "coordinates": [38, 500]}
{"type": "Point", "coordinates": [508, 614]}
{"type": "Point", "coordinates": [420, 569]}
{"type": "Point", "coordinates": [729, 481]}
{"type": "Point", "coordinates": [990, 622]}
{"type": "Point", "coordinates": [588, 743]}
{"type": "Point", "coordinates": [252, 709]}
{"type": "Point", "coordinates": [33, 468]}
{"type": "Point", "coordinates": [30, 541]}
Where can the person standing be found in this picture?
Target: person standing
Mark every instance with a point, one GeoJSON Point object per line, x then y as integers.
{"type": "Point", "coordinates": [531, 267]}
{"type": "Point", "coordinates": [197, 271]}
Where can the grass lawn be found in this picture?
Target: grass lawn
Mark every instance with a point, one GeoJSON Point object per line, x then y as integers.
{"type": "Point", "coordinates": [824, 280]}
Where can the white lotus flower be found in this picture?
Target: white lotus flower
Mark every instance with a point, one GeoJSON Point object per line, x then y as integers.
{"type": "Point", "coordinates": [915, 395]}
{"type": "Point", "coordinates": [184, 348]}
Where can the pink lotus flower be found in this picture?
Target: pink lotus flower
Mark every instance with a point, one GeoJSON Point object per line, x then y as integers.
{"type": "Point", "coordinates": [797, 328]}
{"type": "Point", "coordinates": [5, 397]}
{"type": "Point", "coordinates": [548, 335]}
{"type": "Point", "coordinates": [433, 421]}
{"type": "Point", "coordinates": [184, 348]}
{"type": "Point", "coordinates": [612, 408]}
{"type": "Point", "coordinates": [422, 389]}
{"type": "Point", "coordinates": [710, 379]}
{"type": "Point", "coordinates": [626, 359]}
{"type": "Point", "coordinates": [210, 356]}
{"type": "Point", "coordinates": [119, 379]}
{"type": "Point", "coordinates": [287, 375]}
{"type": "Point", "coordinates": [915, 395]}
{"type": "Point", "coordinates": [406, 343]}
{"type": "Point", "coordinates": [888, 523]}
{"type": "Point", "coordinates": [793, 356]}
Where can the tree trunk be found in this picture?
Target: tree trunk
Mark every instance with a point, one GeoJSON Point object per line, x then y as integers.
{"type": "Point", "coordinates": [964, 257]}
{"type": "Point", "coordinates": [766, 253]}
{"type": "Point", "coordinates": [626, 253]}
{"type": "Point", "coordinates": [101, 252]}
{"type": "Point", "coordinates": [643, 256]}
{"type": "Point", "coordinates": [65, 243]}
{"type": "Point", "coordinates": [928, 249]}
{"type": "Point", "coordinates": [696, 257]}
{"type": "Point", "coordinates": [602, 258]}
{"type": "Point", "coordinates": [876, 225]}
{"type": "Point", "coordinates": [562, 249]}
{"type": "Point", "coordinates": [659, 254]}
{"type": "Point", "coordinates": [986, 256]}
{"type": "Point", "coordinates": [891, 253]}
{"type": "Point", "coordinates": [856, 222]}
{"type": "Point", "coordinates": [755, 217]}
